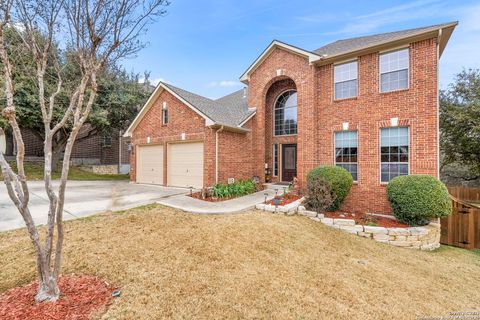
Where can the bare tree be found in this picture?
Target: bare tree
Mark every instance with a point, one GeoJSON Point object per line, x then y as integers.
{"type": "Point", "coordinates": [97, 32]}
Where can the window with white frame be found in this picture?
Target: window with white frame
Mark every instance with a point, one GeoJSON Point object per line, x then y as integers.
{"type": "Point", "coordinates": [275, 160]}
{"type": "Point", "coordinates": [286, 113]}
{"type": "Point", "coordinates": [394, 70]}
{"type": "Point", "coordinates": [164, 114]}
{"type": "Point", "coordinates": [345, 78]}
{"type": "Point", "coordinates": [346, 151]}
{"type": "Point", "coordinates": [394, 152]}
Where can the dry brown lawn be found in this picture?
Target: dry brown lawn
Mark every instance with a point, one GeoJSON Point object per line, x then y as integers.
{"type": "Point", "coordinates": [170, 264]}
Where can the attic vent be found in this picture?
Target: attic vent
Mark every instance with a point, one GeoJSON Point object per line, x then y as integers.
{"type": "Point", "coordinates": [244, 92]}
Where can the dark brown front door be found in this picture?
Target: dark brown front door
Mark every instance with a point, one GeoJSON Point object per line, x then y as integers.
{"type": "Point", "coordinates": [289, 162]}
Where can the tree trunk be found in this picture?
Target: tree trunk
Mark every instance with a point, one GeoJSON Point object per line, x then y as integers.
{"type": "Point", "coordinates": [48, 289]}
{"type": "Point", "coordinates": [58, 146]}
{"type": "Point", "coordinates": [56, 154]}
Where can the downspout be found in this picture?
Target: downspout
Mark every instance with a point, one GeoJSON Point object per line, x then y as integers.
{"type": "Point", "coordinates": [216, 153]}
{"type": "Point", "coordinates": [440, 32]}
{"type": "Point", "coordinates": [119, 151]}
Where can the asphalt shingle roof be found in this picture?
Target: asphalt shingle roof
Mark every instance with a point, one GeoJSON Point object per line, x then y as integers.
{"type": "Point", "coordinates": [352, 44]}
{"type": "Point", "coordinates": [231, 109]}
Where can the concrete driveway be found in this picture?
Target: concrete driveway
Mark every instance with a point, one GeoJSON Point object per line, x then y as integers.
{"type": "Point", "coordinates": [83, 198]}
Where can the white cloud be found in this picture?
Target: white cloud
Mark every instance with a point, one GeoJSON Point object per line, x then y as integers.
{"type": "Point", "coordinates": [416, 10]}
{"type": "Point", "coordinates": [224, 83]}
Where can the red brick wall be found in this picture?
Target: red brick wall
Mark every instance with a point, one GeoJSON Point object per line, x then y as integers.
{"type": "Point", "coordinates": [319, 117]}
{"type": "Point", "coordinates": [298, 70]}
{"type": "Point", "coordinates": [372, 110]}
{"type": "Point", "coordinates": [84, 148]}
{"type": "Point", "coordinates": [181, 120]}
{"type": "Point", "coordinates": [235, 155]}
{"type": "Point", "coordinates": [273, 92]}
{"type": "Point", "coordinates": [235, 149]}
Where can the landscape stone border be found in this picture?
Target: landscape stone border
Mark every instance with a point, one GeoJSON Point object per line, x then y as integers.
{"type": "Point", "coordinates": [422, 238]}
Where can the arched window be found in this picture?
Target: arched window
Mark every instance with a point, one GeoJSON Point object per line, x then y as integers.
{"type": "Point", "coordinates": [286, 113]}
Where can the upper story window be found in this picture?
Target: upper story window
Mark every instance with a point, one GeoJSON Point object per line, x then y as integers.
{"type": "Point", "coordinates": [394, 70]}
{"type": "Point", "coordinates": [286, 113]}
{"type": "Point", "coordinates": [394, 145]}
{"type": "Point", "coordinates": [346, 151]}
{"type": "Point", "coordinates": [164, 113]}
{"type": "Point", "coordinates": [345, 78]}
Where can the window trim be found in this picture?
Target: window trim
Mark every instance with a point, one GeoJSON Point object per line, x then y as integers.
{"type": "Point", "coordinates": [358, 152]}
{"type": "Point", "coordinates": [275, 160]}
{"type": "Point", "coordinates": [165, 111]}
{"type": "Point", "coordinates": [380, 71]}
{"type": "Point", "coordinates": [333, 79]}
{"type": "Point", "coordinates": [380, 152]}
{"type": "Point", "coordinates": [273, 115]}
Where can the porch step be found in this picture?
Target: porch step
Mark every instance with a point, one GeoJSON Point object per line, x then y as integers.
{"type": "Point", "coordinates": [276, 186]}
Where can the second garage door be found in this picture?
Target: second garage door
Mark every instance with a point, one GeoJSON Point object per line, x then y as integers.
{"type": "Point", "coordinates": [185, 164]}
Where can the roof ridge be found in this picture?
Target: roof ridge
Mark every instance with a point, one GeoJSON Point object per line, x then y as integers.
{"type": "Point", "coordinates": [384, 34]}
{"type": "Point", "coordinates": [230, 94]}
{"type": "Point", "coordinates": [189, 92]}
{"type": "Point", "coordinates": [402, 30]}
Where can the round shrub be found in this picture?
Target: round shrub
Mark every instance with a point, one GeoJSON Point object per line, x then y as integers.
{"type": "Point", "coordinates": [417, 199]}
{"type": "Point", "coordinates": [340, 181]}
{"type": "Point", "coordinates": [319, 194]}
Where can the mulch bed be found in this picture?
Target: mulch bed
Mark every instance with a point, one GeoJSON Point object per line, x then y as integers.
{"type": "Point", "coordinates": [284, 201]}
{"type": "Point", "coordinates": [81, 297]}
{"type": "Point", "coordinates": [367, 219]}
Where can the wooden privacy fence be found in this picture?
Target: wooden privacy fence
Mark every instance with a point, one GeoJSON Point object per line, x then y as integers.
{"type": "Point", "coordinates": [462, 227]}
{"type": "Point", "coordinates": [465, 194]}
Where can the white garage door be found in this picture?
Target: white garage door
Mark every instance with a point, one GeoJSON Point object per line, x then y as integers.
{"type": "Point", "coordinates": [150, 164]}
{"type": "Point", "coordinates": [185, 164]}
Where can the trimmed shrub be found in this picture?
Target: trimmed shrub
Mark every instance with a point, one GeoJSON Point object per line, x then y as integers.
{"type": "Point", "coordinates": [417, 199]}
{"type": "Point", "coordinates": [340, 181]}
{"type": "Point", "coordinates": [319, 194]}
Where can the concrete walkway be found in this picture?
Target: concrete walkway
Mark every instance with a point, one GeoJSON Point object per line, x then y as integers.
{"type": "Point", "coordinates": [83, 198]}
{"type": "Point", "coordinates": [189, 204]}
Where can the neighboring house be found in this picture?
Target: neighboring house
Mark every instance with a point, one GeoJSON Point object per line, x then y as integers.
{"type": "Point", "coordinates": [89, 149]}
{"type": "Point", "coordinates": [367, 104]}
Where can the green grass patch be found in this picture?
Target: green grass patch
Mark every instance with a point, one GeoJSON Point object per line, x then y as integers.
{"type": "Point", "coordinates": [35, 172]}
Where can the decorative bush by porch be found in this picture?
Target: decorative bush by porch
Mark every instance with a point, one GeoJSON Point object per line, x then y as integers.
{"type": "Point", "coordinates": [416, 199]}
{"type": "Point", "coordinates": [319, 194]}
{"type": "Point", "coordinates": [340, 181]}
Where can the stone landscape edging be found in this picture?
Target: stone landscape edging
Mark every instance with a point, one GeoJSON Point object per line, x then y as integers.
{"type": "Point", "coordinates": [422, 238]}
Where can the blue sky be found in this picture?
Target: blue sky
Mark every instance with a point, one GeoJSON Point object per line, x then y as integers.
{"type": "Point", "coordinates": [204, 46]}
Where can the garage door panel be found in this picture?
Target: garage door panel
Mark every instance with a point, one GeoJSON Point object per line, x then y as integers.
{"type": "Point", "coordinates": [185, 164]}
{"type": "Point", "coordinates": [150, 164]}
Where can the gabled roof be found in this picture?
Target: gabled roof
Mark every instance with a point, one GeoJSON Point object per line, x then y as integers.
{"type": "Point", "coordinates": [349, 47]}
{"type": "Point", "coordinates": [229, 111]}
{"type": "Point", "coordinates": [278, 44]}
{"type": "Point", "coordinates": [353, 44]}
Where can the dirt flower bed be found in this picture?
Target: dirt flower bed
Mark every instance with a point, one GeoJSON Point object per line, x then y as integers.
{"type": "Point", "coordinates": [82, 297]}
{"type": "Point", "coordinates": [284, 200]}
{"type": "Point", "coordinates": [367, 219]}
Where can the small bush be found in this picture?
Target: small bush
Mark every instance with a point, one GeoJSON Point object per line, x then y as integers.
{"type": "Point", "coordinates": [340, 181]}
{"type": "Point", "coordinates": [319, 194]}
{"type": "Point", "coordinates": [237, 189]}
{"type": "Point", "coordinates": [417, 199]}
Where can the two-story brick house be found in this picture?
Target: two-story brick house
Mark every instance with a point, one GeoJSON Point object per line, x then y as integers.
{"type": "Point", "coordinates": [368, 104]}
